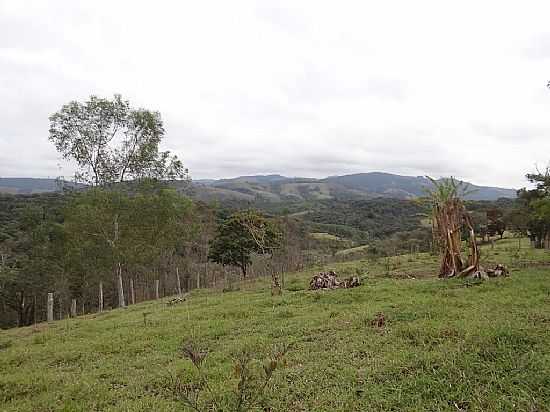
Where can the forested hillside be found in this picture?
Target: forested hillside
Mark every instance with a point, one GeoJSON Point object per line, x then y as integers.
{"type": "Point", "coordinates": [62, 239]}
{"type": "Point", "coordinates": [377, 218]}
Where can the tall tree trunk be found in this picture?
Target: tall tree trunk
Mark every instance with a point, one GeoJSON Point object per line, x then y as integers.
{"type": "Point", "coordinates": [157, 282]}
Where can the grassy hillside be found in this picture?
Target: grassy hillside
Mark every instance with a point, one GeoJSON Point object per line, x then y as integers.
{"type": "Point", "coordinates": [445, 345]}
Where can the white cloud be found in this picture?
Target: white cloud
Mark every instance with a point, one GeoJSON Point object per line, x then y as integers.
{"type": "Point", "coordinates": [295, 87]}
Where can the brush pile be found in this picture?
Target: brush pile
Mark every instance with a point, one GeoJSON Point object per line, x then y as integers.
{"type": "Point", "coordinates": [177, 299]}
{"type": "Point", "coordinates": [329, 280]}
{"type": "Point", "coordinates": [498, 271]}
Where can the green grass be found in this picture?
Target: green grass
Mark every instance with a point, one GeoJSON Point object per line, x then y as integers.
{"type": "Point", "coordinates": [446, 345]}
{"type": "Point", "coordinates": [324, 236]}
{"type": "Point", "coordinates": [352, 250]}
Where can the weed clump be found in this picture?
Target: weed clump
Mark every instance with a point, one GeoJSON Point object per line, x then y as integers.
{"type": "Point", "coordinates": [5, 344]}
{"type": "Point", "coordinates": [251, 376]}
{"type": "Point", "coordinates": [379, 321]}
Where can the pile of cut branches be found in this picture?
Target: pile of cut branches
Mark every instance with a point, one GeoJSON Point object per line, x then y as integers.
{"type": "Point", "coordinates": [498, 271]}
{"type": "Point", "coordinates": [329, 280]}
{"type": "Point", "coordinates": [177, 299]}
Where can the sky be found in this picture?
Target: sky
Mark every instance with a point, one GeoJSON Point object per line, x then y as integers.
{"type": "Point", "coordinates": [299, 88]}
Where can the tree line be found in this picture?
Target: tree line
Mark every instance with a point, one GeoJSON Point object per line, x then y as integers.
{"type": "Point", "coordinates": [128, 236]}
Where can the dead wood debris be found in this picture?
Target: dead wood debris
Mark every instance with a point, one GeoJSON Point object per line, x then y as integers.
{"type": "Point", "coordinates": [177, 299]}
{"type": "Point", "coordinates": [498, 271]}
{"type": "Point", "coordinates": [329, 280]}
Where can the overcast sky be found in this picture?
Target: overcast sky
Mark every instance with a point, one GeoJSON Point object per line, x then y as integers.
{"type": "Point", "coordinates": [300, 88]}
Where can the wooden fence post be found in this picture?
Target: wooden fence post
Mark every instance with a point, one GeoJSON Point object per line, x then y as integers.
{"type": "Point", "coordinates": [157, 284]}
{"type": "Point", "coordinates": [178, 280]}
{"type": "Point", "coordinates": [132, 292]}
{"type": "Point", "coordinates": [121, 303]}
{"type": "Point", "coordinates": [73, 308]}
{"type": "Point", "coordinates": [100, 296]}
{"type": "Point", "coordinates": [50, 307]}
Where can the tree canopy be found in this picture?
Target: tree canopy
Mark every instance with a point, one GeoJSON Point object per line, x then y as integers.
{"type": "Point", "coordinates": [535, 216]}
{"type": "Point", "coordinates": [111, 142]}
{"type": "Point", "coordinates": [240, 235]}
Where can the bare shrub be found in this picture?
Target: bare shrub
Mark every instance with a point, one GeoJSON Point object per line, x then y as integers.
{"type": "Point", "coordinates": [252, 381]}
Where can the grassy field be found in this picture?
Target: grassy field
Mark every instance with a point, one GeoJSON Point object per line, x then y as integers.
{"type": "Point", "coordinates": [324, 236]}
{"type": "Point", "coordinates": [451, 345]}
{"type": "Point", "coordinates": [352, 250]}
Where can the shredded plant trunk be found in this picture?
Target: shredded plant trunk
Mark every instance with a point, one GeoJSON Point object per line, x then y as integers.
{"type": "Point", "coordinates": [450, 217]}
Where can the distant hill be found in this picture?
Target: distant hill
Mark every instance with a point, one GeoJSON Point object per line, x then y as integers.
{"type": "Point", "coordinates": [409, 187]}
{"type": "Point", "coordinates": [23, 185]}
{"type": "Point", "coordinates": [30, 185]}
{"type": "Point", "coordinates": [281, 189]}
{"type": "Point", "coordinates": [276, 188]}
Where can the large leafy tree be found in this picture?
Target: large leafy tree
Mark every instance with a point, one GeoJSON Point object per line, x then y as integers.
{"type": "Point", "coordinates": [111, 142]}
{"type": "Point", "coordinates": [536, 208]}
{"type": "Point", "coordinates": [240, 235]}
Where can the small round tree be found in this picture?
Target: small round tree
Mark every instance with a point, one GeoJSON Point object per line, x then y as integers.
{"type": "Point", "coordinates": [240, 235]}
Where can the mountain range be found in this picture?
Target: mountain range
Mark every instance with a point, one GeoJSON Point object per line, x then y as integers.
{"type": "Point", "coordinates": [277, 188]}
